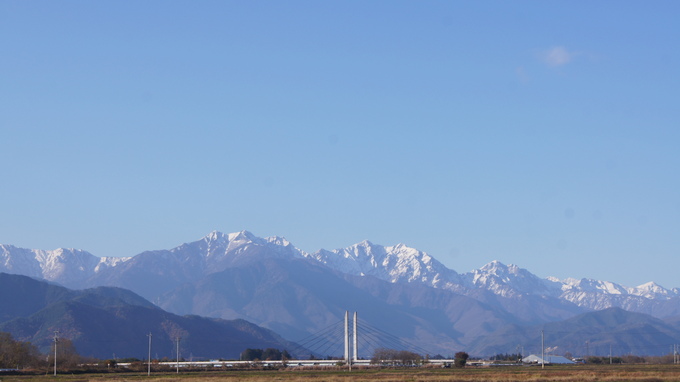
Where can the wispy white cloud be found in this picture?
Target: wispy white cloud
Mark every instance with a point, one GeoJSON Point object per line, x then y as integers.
{"type": "Point", "coordinates": [557, 56]}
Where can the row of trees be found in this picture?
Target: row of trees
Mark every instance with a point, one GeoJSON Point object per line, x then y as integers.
{"type": "Point", "coordinates": [506, 357]}
{"type": "Point", "coordinates": [631, 359]}
{"type": "Point", "coordinates": [380, 355]}
{"type": "Point", "coordinates": [402, 357]}
{"type": "Point", "coordinates": [269, 354]}
{"type": "Point", "coordinates": [17, 354]}
{"type": "Point", "coordinates": [22, 355]}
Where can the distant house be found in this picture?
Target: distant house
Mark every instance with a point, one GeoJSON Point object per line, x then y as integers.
{"type": "Point", "coordinates": [549, 359]}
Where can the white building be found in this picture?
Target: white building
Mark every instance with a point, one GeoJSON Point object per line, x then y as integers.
{"type": "Point", "coordinates": [554, 359]}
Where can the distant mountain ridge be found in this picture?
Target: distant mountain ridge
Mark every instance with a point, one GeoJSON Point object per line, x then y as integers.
{"type": "Point", "coordinates": [270, 282]}
{"type": "Point", "coordinates": [66, 266]}
{"type": "Point", "coordinates": [399, 263]}
{"type": "Point", "coordinates": [609, 331]}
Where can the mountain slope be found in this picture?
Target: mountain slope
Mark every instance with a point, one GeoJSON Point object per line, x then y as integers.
{"type": "Point", "coordinates": [298, 298]}
{"type": "Point", "coordinates": [21, 296]}
{"type": "Point", "coordinates": [103, 321]}
{"type": "Point", "coordinates": [398, 263]}
{"type": "Point", "coordinates": [272, 283]}
{"type": "Point", "coordinates": [154, 273]}
{"type": "Point", "coordinates": [592, 333]}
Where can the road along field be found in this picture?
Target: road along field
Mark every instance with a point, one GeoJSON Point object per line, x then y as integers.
{"type": "Point", "coordinates": [640, 373]}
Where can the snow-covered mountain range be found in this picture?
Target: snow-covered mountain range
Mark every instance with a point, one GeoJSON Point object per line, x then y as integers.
{"type": "Point", "coordinates": [400, 263]}
{"type": "Point", "coordinates": [396, 264]}
{"type": "Point", "coordinates": [62, 265]}
{"type": "Point", "coordinates": [406, 292]}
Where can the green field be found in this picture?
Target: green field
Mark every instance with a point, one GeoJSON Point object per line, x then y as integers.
{"type": "Point", "coordinates": [493, 374]}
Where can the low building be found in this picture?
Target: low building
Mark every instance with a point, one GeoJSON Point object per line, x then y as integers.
{"type": "Point", "coordinates": [549, 359]}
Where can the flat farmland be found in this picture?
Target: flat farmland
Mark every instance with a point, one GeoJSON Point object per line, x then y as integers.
{"type": "Point", "coordinates": [500, 374]}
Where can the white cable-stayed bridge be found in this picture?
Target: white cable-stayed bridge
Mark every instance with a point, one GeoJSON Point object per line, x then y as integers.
{"type": "Point", "coordinates": [347, 341]}
{"type": "Point", "coordinates": [351, 340]}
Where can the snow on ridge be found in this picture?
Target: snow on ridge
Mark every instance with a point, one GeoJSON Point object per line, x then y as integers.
{"type": "Point", "coordinates": [110, 262]}
{"type": "Point", "coordinates": [278, 240]}
{"type": "Point", "coordinates": [225, 243]}
{"type": "Point", "coordinates": [61, 265]}
{"type": "Point", "coordinates": [358, 259]}
{"type": "Point", "coordinates": [510, 280]}
{"type": "Point", "coordinates": [597, 294]}
{"type": "Point", "coordinates": [653, 290]}
{"type": "Point", "coordinates": [215, 236]}
{"type": "Point", "coordinates": [397, 263]}
{"type": "Point", "coordinates": [242, 236]}
{"type": "Point", "coordinates": [283, 247]}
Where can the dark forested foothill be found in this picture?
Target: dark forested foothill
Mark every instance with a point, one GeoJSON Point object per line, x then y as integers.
{"type": "Point", "coordinates": [103, 321]}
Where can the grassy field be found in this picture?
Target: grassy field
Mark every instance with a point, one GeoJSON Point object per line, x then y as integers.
{"type": "Point", "coordinates": [647, 373]}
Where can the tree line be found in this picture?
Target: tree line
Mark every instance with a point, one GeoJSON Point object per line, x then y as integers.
{"type": "Point", "coordinates": [17, 354]}
{"type": "Point", "coordinates": [24, 355]}
{"type": "Point", "coordinates": [269, 354]}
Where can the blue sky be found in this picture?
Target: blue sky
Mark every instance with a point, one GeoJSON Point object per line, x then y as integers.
{"type": "Point", "coordinates": [543, 134]}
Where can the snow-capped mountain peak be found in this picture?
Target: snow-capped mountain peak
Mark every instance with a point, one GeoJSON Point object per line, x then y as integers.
{"type": "Point", "coordinates": [242, 236]}
{"type": "Point", "coordinates": [214, 236]}
{"type": "Point", "coordinates": [652, 290]}
{"type": "Point", "coordinates": [398, 263]}
{"type": "Point", "coordinates": [284, 246]}
{"type": "Point", "coordinates": [508, 280]}
{"type": "Point", "coordinates": [65, 265]}
{"type": "Point", "coordinates": [219, 245]}
{"type": "Point", "coordinates": [591, 285]}
{"type": "Point", "coordinates": [215, 242]}
{"type": "Point", "coordinates": [362, 249]}
{"type": "Point", "coordinates": [499, 269]}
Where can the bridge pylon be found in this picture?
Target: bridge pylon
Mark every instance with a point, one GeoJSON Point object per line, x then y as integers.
{"type": "Point", "coordinates": [351, 336]}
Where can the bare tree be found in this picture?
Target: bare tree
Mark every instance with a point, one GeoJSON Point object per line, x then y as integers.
{"type": "Point", "coordinates": [403, 357]}
{"type": "Point", "coordinates": [67, 356]}
{"type": "Point", "coordinates": [17, 354]}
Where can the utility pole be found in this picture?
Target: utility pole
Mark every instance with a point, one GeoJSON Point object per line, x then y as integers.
{"type": "Point", "coordinates": [56, 339]}
{"type": "Point", "coordinates": [542, 350]}
{"type": "Point", "coordinates": [178, 338]}
{"type": "Point", "coordinates": [610, 354]}
{"type": "Point", "coordinates": [149, 367]}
